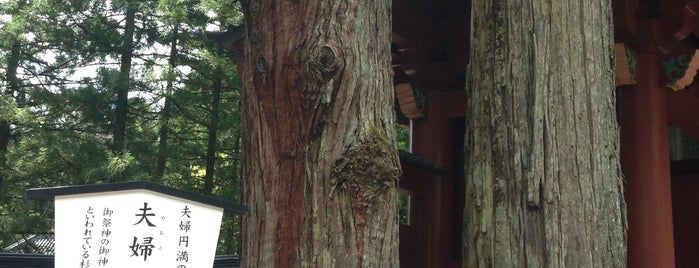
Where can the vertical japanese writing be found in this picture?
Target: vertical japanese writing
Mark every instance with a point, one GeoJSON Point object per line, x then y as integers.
{"type": "Point", "coordinates": [145, 248]}
{"type": "Point", "coordinates": [183, 244]}
{"type": "Point", "coordinates": [144, 215]}
{"type": "Point", "coordinates": [104, 237]}
{"type": "Point", "coordinates": [87, 236]}
{"type": "Point", "coordinates": [134, 229]}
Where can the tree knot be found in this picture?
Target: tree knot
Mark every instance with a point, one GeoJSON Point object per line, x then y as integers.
{"type": "Point", "coordinates": [323, 64]}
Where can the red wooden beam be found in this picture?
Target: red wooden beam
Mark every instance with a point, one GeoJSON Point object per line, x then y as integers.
{"type": "Point", "coordinates": [455, 104]}
{"type": "Point", "coordinates": [672, 20]}
{"type": "Point", "coordinates": [694, 88]}
{"type": "Point", "coordinates": [433, 139]}
{"type": "Point", "coordinates": [645, 162]}
{"type": "Point", "coordinates": [625, 20]}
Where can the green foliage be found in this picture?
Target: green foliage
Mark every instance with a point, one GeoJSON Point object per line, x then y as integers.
{"type": "Point", "coordinates": [8, 108]}
{"type": "Point", "coordinates": [403, 138]}
{"type": "Point", "coordinates": [61, 111]}
{"type": "Point", "coordinates": [404, 208]}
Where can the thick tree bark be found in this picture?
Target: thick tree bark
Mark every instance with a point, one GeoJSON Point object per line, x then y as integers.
{"type": "Point", "coordinates": [123, 84]}
{"type": "Point", "coordinates": [544, 187]}
{"type": "Point", "coordinates": [320, 165]}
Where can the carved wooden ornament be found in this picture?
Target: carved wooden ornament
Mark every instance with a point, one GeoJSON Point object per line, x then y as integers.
{"type": "Point", "coordinates": [680, 70]}
{"type": "Point", "coordinates": [625, 65]}
{"type": "Point", "coordinates": [411, 101]}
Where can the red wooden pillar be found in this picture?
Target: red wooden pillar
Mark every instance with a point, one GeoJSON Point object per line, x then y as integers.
{"type": "Point", "coordinates": [645, 162]}
{"type": "Point", "coordinates": [433, 134]}
{"type": "Point", "coordinates": [433, 140]}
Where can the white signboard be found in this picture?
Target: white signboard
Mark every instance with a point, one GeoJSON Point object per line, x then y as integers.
{"type": "Point", "coordinates": [134, 228]}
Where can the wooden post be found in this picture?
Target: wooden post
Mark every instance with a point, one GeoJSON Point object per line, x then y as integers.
{"type": "Point", "coordinates": [646, 165]}
{"type": "Point", "coordinates": [433, 140]}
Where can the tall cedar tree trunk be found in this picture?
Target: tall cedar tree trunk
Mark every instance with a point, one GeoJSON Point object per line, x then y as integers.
{"type": "Point", "coordinates": [13, 82]}
{"type": "Point", "coordinates": [212, 130]}
{"type": "Point", "coordinates": [320, 166]}
{"type": "Point", "coordinates": [123, 84]}
{"type": "Point", "coordinates": [164, 132]}
{"type": "Point", "coordinates": [544, 186]}
{"type": "Point", "coordinates": [12, 89]}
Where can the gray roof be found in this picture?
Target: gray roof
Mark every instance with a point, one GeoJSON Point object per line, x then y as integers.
{"type": "Point", "coordinates": [33, 244]}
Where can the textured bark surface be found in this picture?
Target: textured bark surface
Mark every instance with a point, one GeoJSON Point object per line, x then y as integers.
{"type": "Point", "coordinates": [544, 187]}
{"type": "Point", "coordinates": [320, 166]}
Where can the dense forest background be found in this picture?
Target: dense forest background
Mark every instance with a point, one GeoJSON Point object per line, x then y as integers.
{"type": "Point", "coordinates": [103, 91]}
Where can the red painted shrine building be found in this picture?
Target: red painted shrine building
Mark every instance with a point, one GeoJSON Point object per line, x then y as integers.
{"type": "Point", "coordinates": [657, 110]}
